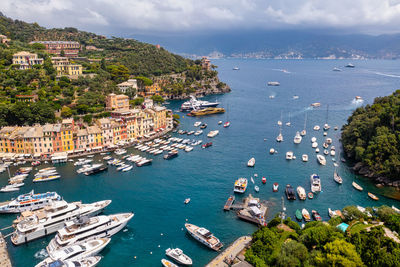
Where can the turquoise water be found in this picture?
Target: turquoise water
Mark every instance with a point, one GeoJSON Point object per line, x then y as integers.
{"type": "Point", "coordinates": [156, 193]}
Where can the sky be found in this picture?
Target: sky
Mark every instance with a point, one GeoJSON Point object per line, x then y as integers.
{"type": "Point", "coordinates": [124, 17]}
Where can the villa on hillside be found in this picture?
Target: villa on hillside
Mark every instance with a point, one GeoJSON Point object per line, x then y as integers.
{"type": "Point", "coordinates": [70, 48]}
{"type": "Point", "coordinates": [64, 67]}
{"type": "Point", "coordinates": [26, 60]}
{"type": "Point", "coordinates": [128, 86]}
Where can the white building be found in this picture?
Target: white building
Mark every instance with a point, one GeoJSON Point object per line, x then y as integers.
{"type": "Point", "coordinates": [128, 86]}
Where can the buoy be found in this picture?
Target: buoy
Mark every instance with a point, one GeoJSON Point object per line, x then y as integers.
{"type": "Point", "coordinates": [135, 257]}
{"type": "Point", "coordinates": [162, 234]}
{"type": "Point", "coordinates": [186, 219]}
{"type": "Point", "coordinates": [159, 246]}
{"type": "Point", "coordinates": [151, 252]}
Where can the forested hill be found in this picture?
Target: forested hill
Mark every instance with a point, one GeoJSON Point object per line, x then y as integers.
{"type": "Point", "coordinates": [372, 138]}
{"type": "Point", "coordinates": [140, 58]}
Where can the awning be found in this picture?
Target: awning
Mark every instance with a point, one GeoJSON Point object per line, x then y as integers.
{"type": "Point", "coordinates": [88, 149]}
{"type": "Point", "coordinates": [97, 147]}
{"type": "Point", "coordinates": [36, 155]}
{"type": "Point", "coordinates": [79, 150]}
{"type": "Point", "coordinates": [70, 152]}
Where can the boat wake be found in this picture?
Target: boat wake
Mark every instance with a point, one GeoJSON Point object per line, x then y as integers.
{"type": "Point", "coordinates": [41, 254]}
{"type": "Point", "coordinates": [282, 70]}
{"type": "Point", "coordinates": [387, 74]}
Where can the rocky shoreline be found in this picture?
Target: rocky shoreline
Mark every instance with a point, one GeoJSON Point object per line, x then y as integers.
{"type": "Point", "coordinates": [380, 181]}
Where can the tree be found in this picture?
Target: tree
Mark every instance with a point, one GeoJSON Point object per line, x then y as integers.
{"type": "Point", "coordinates": [292, 253]}
{"type": "Point", "coordinates": [66, 112]}
{"type": "Point", "coordinates": [157, 99]}
{"type": "Point", "coordinates": [38, 46]}
{"type": "Point", "coordinates": [88, 118]}
{"type": "Point", "coordinates": [62, 53]}
{"type": "Point", "coordinates": [340, 253]}
{"type": "Point", "coordinates": [137, 101]}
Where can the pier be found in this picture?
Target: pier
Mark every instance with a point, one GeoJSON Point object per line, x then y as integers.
{"type": "Point", "coordinates": [232, 254]}
{"type": "Point", "coordinates": [251, 209]}
{"type": "Point", "coordinates": [4, 257]}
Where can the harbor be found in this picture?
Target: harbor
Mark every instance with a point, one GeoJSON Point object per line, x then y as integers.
{"type": "Point", "coordinates": [207, 176]}
{"type": "Point", "coordinates": [232, 255]}
{"type": "Point", "coordinates": [251, 209]}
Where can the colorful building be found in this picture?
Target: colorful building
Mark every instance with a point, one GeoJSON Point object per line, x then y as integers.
{"type": "Point", "coordinates": [63, 66]}
{"type": "Point", "coordinates": [117, 102]}
{"type": "Point", "coordinates": [26, 60]}
{"type": "Point", "coordinates": [67, 131]}
{"type": "Point", "coordinates": [70, 48]}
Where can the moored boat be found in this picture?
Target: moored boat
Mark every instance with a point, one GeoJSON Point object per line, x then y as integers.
{"type": "Point", "coordinates": [297, 139]}
{"type": "Point", "coordinates": [357, 186]}
{"type": "Point", "coordinates": [177, 255]}
{"type": "Point", "coordinates": [263, 180]}
{"type": "Point", "coordinates": [207, 145]}
{"type": "Point", "coordinates": [167, 263]}
{"type": "Point", "coordinates": [316, 215]}
{"type": "Point", "coordinates": [306, 215]}
{"type": "Point", "coordinates": [310, 195]}
{"type": "Point", "coordinates": [315, 183]}
{"type": "Point", "coordinates": [290, 194]}
{"type": "Point", "coordinates": [373, 196]}
{"type": "Point", "coordinates": [337, 178]}
{"type": "Point", "coordinates": [256, 188]}
{"type": "Point", "coordinates": [298, 215]}
{"type": "Point", "coordinates": [275, 187]}
{"type": "Point", "coordinates": [321, 159]}
{"type": "Point", "coordinates": [301, 193]}
{"type": "Point", "coordinates": [29, 201]}
{"type": "Point", "coordinates": [204, 236]}
{"type": "Point", "coordinates": [304, 157]}
{"type": "Point", "coordinates": [251, 162]}
{"type": "Point", "coordinates": [240, 185]}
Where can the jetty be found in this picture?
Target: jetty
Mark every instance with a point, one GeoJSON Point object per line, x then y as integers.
{"type": "Point", "coordinates": [4, 257]}
{"type": "Point", "coordinates": [232, 255]}
{"type": "Point", "coordinates": [251, 209]}
{"type": "Point", "coordinates": [229, 203]}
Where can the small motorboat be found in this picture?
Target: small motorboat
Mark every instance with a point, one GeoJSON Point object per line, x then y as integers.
{"type": "Point", "coordinates": [314, 145]}
{"type": "Point", "coordinates": [310, 195]}
{"type": "Point", "coordinates": [316, 215]}
{"type": "Point", "coordinates": [256, 188]}
{"type": "Point", "coordinates": [252, 180]}
{"type": "Point", "coordinates": [357, 186]}
{"type": "Point", "coordinates": [306, 215]}
{"type": "Point", "coordinates": [264, 180]}
{"type": "Point", "coordinates": [289, 155]}
{"type": "Point", "coordinates": [207, 145]}
{"type": "Point", "coordinates": [316, 128]}
{"type": "Point", "coordinates": [313, 139]}
{"type": "Point", "coordinates": [298, 215]}
{"type": "Point", "coordinates": [187, 200]}
{"type": "Point", "coordinates": [220, 122]}
{"type": "Point", "coordinates": [337, 178]}
{"type": "Point", "coordinates": [321, 160]}
{"type": "Point", "coordinates": [304, 157]}
{"type": "Point", "coordinates": [317, 150]}
{"type": "Point", "coordinates": [203, 126]}
{"type": "Point", "coordinates": [326, 152]}
{"type": "Point", "coordinates": [255, 175]}
{"type": "Point", "coordinates": [197, 124]}
{"type": "Point", "coordinates": [275, 187]}
{"type": "Point", "coordinates": [251, 162]}
{"type": "Point", "coordinates": [373, 196]}
{"type": "Point", "coordinates": [227, 124]}
{"type": "Point", "coordinates": [177, 255]}
{"type": "Point", "coordinates": [10, 188]}
{"type": "Point", "coordinates": [271, 150]}
{"type": "Point", "coordinates": [167, 263]}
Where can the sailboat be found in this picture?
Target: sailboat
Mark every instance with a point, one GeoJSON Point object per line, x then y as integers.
{"type": "Point", "coordinates": [227, 123]}
{"type": "Point", "coordinates": [279, 138]}
{"type": "Point", "coordinates": [337, 177]}
{"type": "Point", "coordinates": [326, 125]}
{"type": "Point", "coordinates": [280, 122]}
{"type": "Point", "coordinates": [304, 132]}
{"type": "Point", "coordinates": [288, 123]}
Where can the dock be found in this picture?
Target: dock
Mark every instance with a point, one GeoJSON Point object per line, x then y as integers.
{"type": "Point", "coordinates": [232, 254]}
{"type": "Point", "coordinates": [229, 203]}
{"type": "Point", "coordinates": [4, 257]}
{"type": "Point", "coordinates": [251, 209]}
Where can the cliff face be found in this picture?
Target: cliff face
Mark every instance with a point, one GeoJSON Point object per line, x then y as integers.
{"type": "Point", "coordinates": [379, 180]}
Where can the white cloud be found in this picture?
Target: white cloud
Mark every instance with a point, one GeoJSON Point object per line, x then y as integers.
{"type": "Point", "coordinates": [191, 15]}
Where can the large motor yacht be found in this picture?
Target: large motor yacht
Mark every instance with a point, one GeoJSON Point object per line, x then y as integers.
{"type": "Point", "coordinates": [86, 228]}
{"type": "Point", "coordinates": [33, 225]}
{"type": "Point", "coordinates": [194, 103]}
{"type": "Point", "coordinates": [315, 183]}
{"type": "Point", "coordinates": [30, 201]}
{"type": "Point", "coordinates": [204, 236]}
{"type": "Point", "coordinates": [84, 262]}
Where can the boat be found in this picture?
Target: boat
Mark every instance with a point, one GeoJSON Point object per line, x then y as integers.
{"type": "Point", "coordinates": [212, 134]}
{"type": "Point", "coordinates": [190, 132]}
{"type": "Point", "coordinates": [33, 225]}
{"type": "Point", "coordinates": [325, 145]}
{"type": "Point", "coordinates": [299, 215]}
{"type": "Point", "coordinates": [235, 68]}
{"type": "Point", "coordinates": [29, 201]}
{"type": "Point", "coordinates": [356, 186]}
{"type": "Point", "coordinates": [95, 170]}
{"type": "Point", "coordinates": [144, 162]}
{"type": "Point", "coordinates": [197, 124]}
{"type": "Point", "coordinates": [199, 132]}
{"type": "Point", "coordinates": [373, 196]}
{"type": "Point", "coordinates": [188, 148]}
{"type": "Point", "coordinates": [317, 150]}
{"type": "Point", "coordinates": [313, 139]}
{"type": "Point", "coordinates": [315, 183]}
{"type": "Point", "coordinates": [316, 215]}
{"type": "Point", "coordinates": [11, 187]}
{"type": "Point", "coordinates": [273, 84]}
{"type": "Point", "coordinates": [88, 228]}
{"type": "Point", "coordinates": [82, 262]}
{"type": "Point", "coordinates": [350, 65]}
{"type": "Point", "coordinates": [167, 263]}
{"type": "Point", "coordinates": [271, 150]}
{"type": "Point", "coordinates": [301, 193]}
{"type": "Point", "coordinates": [306, 215]}
{"type": "Point", "coordinates": [76, 252]}
{"type": "Point", "coordinates": [326, 125]}
{"type": "Point", "coordinates": [396, 209]}
{"type": "Point", "coordinates": [279, 138]}
{"type": "Point", "coordinates": [289, 123]}
{"type": "Point", "coordinates": [206, 111]}
{"type": "Point", "coordinates": [120, 151]}
{"type": "Point", "coordinates": [240, 185]}
{"type": "Point", "coordinates": [337, 177]}
{"type": "Point", "coordinates": [171, 155]}
{"type": "Point", "coordinates": [333, 152]}
{"type": "Point", "coordinates": [326, 152]}
{"type": "Point", "coordinates": [316, 105]}
{"type": "Point", "coordinates": [297, 138]}
{"type": "Point", "coordinates": [46, 178]}
{"type": "Point", "coordinates": [316, 128]}
{"type": "Point", "coordinates": [321, 159]}
{"type": "Point", "coordinates": [328, 140]}
{"type": "Point", "coordinates": [204, 236]}
{"type": "Point", "coordinates": [252, 180]}
{"type": "Point", "coordinates": [289, 155]}
{"type": "Point", "coordinates": [207, 145]}
{"type": "Point", "coordinates": [187, 200]}
{"type": "Point", "coordinates": [177, 255]}
{"type": "Point", "coordinates": [336, 69]}
{"type": "Point", "coordinates": [194, 103]}
{"type": "Point", "coordinates": [203, 126]}
{"type": "Point", "coordinates": [310, 195]}
{"type": "Point", "coordinates": [227, 124]}
{"type": "Point", "coordinates": [295, 97]}
{"type": "Point", "coordinates": [256, 188]}
{"type": "Point", "coordinates": [219, 122]}
{"type": "Point", "coordinates": [251, 162]}
{"type": "Point", "coordinates": [128, 168]}
{"type": "Point", "coordinates": [304, 157]}
{"type": "Point", "coordinates": [263, 180]}
{"type": "Point", "coordinates": [290, 194]}
{"type": "Point", "coordinates": [275, 187]}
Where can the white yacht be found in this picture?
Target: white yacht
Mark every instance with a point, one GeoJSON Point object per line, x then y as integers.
{"type": "Point", "coordinates": [177, 255]}
{"type": "Point", "coordinates": [315, 183]}
{"type": "Point", "coordinates": [193, 103]}
{"type": "Point", "coordinates": [314, 145]}
{"type": "Point", "coordinates": [304, 157]}
{"type": "Point", "coordinates": [273, 84]}
{"type": "Point", "coordinates": [84, 262]}
{"type": "Point", "coordinates": [313, 139]}
{"type": "Point", "coordinates": [120, 151]}
{"type": "Point", "coordinates": [321, 159]}
{"type": "Point", "coordinates": [204, 236]}
{"type": "Point", "coordinates": [28, 201]}
{"type": "Point", "coordinates": [11, 187]}
{"type": "Point", "coordinates": [302, 193]}
{"type": "Point", "coordinates": [197, 124]}
{"type": "Point", "coordinates": [316, 128]}
{"type": "Point", "coordinates": [297, 138]}
{"type": "Point", "coordinates": [251, 162]}
{"type": "Point", "coordinates": [86, 228]}
{"type": "Point", "coordinates": [52, 218]}
{"type": "Point", "coordinates": [76, 252]}
{"type": "Point", "coordinates": [199, 132]}
{"type": "Point", "coordinates": [289, 155]}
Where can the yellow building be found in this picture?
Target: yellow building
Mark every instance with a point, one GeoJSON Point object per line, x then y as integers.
{"type": "Point", "coordinates": [63, 67]}
{"type": "Point", "coordinates": [67, 128]}
{"type": "Point", "coordinates": [26, 60]}
{"type": "Point", "coordinates": [117, 102]}
{"type": "Point", "coordinates": [150, 90]}
{"type": "Point", "coordinates": [160, 117]}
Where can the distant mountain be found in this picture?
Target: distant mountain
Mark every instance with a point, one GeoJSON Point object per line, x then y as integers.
{"type": "Point", "coordinates": [281, 44]}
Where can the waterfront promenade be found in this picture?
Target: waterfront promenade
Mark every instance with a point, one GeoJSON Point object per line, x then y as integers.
{"type": "Point", "coordinates": [4, 257]}
{"type": "Point", "coordinates": [228, 256]}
